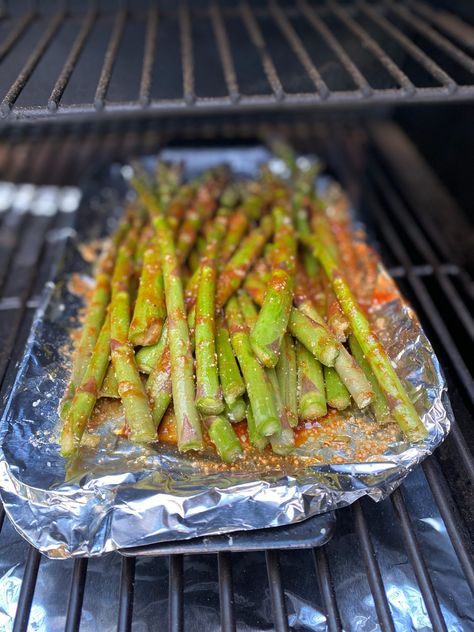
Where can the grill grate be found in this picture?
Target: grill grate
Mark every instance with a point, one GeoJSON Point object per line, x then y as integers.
{"type": "Point", "coordinates": [357, 549]}
{"type": "Point", "coordinates": [192, 62]}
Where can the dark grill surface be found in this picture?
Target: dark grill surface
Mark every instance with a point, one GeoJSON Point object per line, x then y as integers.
{"type": "Point", "coordinates": [387, 562]}
{"type": "Point", "coordinates": [209, 57]}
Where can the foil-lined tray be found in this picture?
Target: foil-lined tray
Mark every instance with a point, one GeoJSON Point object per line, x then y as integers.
{"type": "Point", "coordinates": [117, 495]}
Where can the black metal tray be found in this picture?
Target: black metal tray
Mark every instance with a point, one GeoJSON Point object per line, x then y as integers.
{"type": "Point", "coordinates": [307, 534]}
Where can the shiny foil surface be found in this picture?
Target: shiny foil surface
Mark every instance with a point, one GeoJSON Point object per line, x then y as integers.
{"type": "Point", "coordinates": [116, 495]}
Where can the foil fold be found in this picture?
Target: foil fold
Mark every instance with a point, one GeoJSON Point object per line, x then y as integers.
{"type": "Point", "coordinates": [117, 495]}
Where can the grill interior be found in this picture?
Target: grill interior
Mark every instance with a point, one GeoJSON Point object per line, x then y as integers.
{"type": "Point", "coordinates": [222, 57]}
{"type": "Point", "coordinates": [386, 561]}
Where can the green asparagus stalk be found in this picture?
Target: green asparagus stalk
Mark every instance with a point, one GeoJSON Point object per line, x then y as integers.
{"type": "Point", "coordinates": [208, 391]}
{"type": "Point", "coordinates": [86, 393]}
{"type": "Point", "coordinates": [148, 357]}
{"type": "Point", "coordinates": [379, 403]}
{"type": "Point", "coordinates": [314, 336]}
{"type": "Point", "coordinates": [187, 419]}
{"type": "Point", "coordinates": [309, 330]}
{"type": "Point", "coordinates": [204, 207]}
{"type": "Point", "coordinates": [134, 400]}
{"type": "Point", "coordinates": [224, 438]}
{"type": "Point", "coordinates": [259, 389]}
{"type": "Point", "coordinates": [247, 308]}
{"type": "Point", "coordinates": [158, 385]}
{"type": "Point", "coordinates": [236, 411]}
{"type": "Point", "coordinates": [109, 385]}
{"type": "Point", "coordinates": [398, 401]}
{"type": "Point", "coordinates": [238, 225]}
{"type": "Point", "coordinates": [95, 315]}
{"type": "Point", "coordinates": [258, 440]}
{"type": "Point", "coordinates": [233, 386]}
{"type": "Point", "coordinates": [350, 373]}
{"type": "Point", "coordinates": [282, 442]}
{"type": "Point", "coordinates": [233, 273]}
{"type": "Point", "coordinates": [337, 395]}
{"type": "Point", "coordinates": [150, 309]}
{"type": "Point", "coordinates": [287, 380]}
{"type": "Point", "coordinates": [267, 333]}
{"type": "Point", "coordinates": [311, 392]}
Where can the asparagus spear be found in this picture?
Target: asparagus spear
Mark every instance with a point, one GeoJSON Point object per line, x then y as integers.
{"type": "Point", "coordinates": [287, 380]}
{"type": "Point", "coordinates": [267, 333]}
{"type": "Point", "coordinates": [233, 273]}
{"type": "Point", "coordinates": [233, 386]}
{"type": "Point", "coordinates": [258, 440]}
{"type": "Point", "coordinates": [314, 336]}
{"type": "Point", "coordinates": [148, 357]}
{"type": "Point", "coordinates": [337, 321]}
{"type": "Point", "coordinates": [86, 392]}
{"type": "Point", "coordinates": [310, 330]}
{"type": "Point", "coordinates": [158, 385]}
{"type": "Point", "coordinates": [282, 442]}
{"type": "Point", "coordinates": [187, 419]}
{"type": "Point", "coordinates": [150, 308]}
{"type": "Point", "coordinates": [203, 209]}
{"type": "Point", "coordinates": [238, 225]}
{"type": "Point", "coordinates": [398, 401]}
{"type": "Point", "coordinates": [236, 411]}
{"type": "Point", "coordinates": [350, 373]}
{"type": "Point", "coordinates": [311, 393]}
{"type": "Point", "coordinates": [134, 400]}
{"type": "Point", "coordinates": [109, 386]}
{"type": "Point", "coordinates": [259, 389]}
{"type": "Point", "coordinates": [248, 309]}
{"type": "Point", "coordinates": [379, 403]}
{"type": "Point", "coordinates": [224, 438]}
{"type": "Point", "coordinates": [337, 395]}
{"type": "Point", "coordinates": [208, 391]}
{"type": "Point", "coordinates": [95, 315]}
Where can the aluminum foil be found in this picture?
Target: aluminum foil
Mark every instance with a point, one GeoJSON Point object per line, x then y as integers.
{"type": "Point", "coordinates": [116, 495]}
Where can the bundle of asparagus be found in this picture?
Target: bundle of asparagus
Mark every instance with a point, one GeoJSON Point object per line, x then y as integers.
{"type": "Point", "coordinates": [221, 301]}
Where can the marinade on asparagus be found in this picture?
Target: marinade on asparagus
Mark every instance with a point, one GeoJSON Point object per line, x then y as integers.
{"type": "Point", "coordinates": [219, 303]}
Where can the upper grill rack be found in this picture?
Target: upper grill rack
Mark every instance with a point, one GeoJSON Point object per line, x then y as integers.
{"type": "Point", "coordinates": [213, 57]}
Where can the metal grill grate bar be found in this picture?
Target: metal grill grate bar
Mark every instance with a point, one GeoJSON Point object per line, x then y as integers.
{"type": "Point", "coordinates": [437, 39]}
{"type": "Point", "coordinates": [280, 619]}
{"type": "Point", "coordinates": [419, 567]}
{"type": "Point", "coordinates": [299, 49]}
{"type": "Point", "coordinates": [109, 59]}
{"type": "Point", "coordinates": [326, 588]}
{"type": "Point", "coordinates": [373, 571]}
{"type": "Point", "coordinates": [27, 591]}
{"type": "Point", "coordinates": [425, 249]}
{"type": "Point", "coordinates": [76, 596]}
{"type": "Point", "coordinates": [16, 34]}
{"type": "Point", "coordinates": [359, 80]}
{"type": "Point", "coordinates": [224, 52]}
{"type": "Point", "coordinates": [149, 56]}
{"type": "Point", "coordinates": [348, 14]}
{"type": "Point", "coordinates": [411, 48]}
{"type": "Point", "coordinates": [368, 42]}
{"type": "Point", "coordinates": [441, 495]}
{"type": "Point", "coordinates": [259, 43]}
{"type": "Point", "coordinates": [127, 589]}
{"type": "Point", "coordinates": [71, 60]}
{"type": "Point", "coordinates": [448, 22]}
{"type": "Point", "coordinates": [31, 63]}
{"type": "Point", "coordinates": [226, 592]}
{"type": "Point", "coordinates": [175, 598]}
{"type": "Point", "coordinates": [187, 55]}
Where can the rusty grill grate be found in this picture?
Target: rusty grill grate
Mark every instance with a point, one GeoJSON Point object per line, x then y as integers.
{"type": "Point", "coordinates": [217, 57]}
